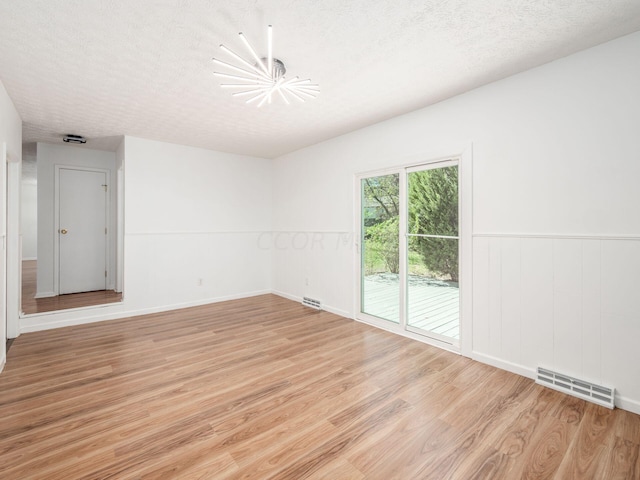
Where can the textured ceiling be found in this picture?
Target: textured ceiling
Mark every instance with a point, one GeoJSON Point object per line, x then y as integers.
{"type": "Point", "coordinates": [104, 68]}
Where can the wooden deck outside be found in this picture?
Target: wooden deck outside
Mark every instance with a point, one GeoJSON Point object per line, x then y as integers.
{"type": "Point", "coordinates": [432, 306]}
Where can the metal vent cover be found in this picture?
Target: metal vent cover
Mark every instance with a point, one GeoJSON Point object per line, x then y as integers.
{"type": "Point", "coordinates": [591, 392]}
{"type": "Point", "coordinates": [312, 302]}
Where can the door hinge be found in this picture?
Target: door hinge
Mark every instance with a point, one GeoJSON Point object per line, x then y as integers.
{"type": "Point", "coordinates": [105, 274]}
{"type": "Point", "coordinates": [105, 230]}
{"type": "Point", "coordinates": [105, 187]}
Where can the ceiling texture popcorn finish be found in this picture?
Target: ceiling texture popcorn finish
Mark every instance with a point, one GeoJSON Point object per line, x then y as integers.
{"type": "Point", "coordinates": [104, 68]}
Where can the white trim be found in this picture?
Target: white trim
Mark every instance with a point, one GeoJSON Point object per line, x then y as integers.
{"type": "Point", "coordinates": [13, 283]}
{"type": "Point", "coordinates": [218, 232]}
{"type": "Point", "coordinates": [108, 281]}
{"type": "Point", "coordinates": [119, 273]}
{"type": "Point", "coordinates": [403, 251]}
{"type": "Point", "coordinates": [68, 310]}
{"type": "Point", "coordinates": [504, 365]}
{"type": "Point", "coordinates": [628, 404]}
{"type": "Point", "coordinates": [3, 360]}
{"type": "Point", "coordinates": [465, 260]}
{"type": "Point", "coordinates": [37, 327]}
{"type": "Point", "coordinates": [4, 310]}
{"type": "Point", "coordinates": [27, 259]}
{"type": "Point", "coordinates": [44, 294]}
{"type": "Point", "coordinates": [558, 236]}
{"type": "Point", "coordinates": [451, 161]}
{"type": "Point", "coordinates": [408, 334]}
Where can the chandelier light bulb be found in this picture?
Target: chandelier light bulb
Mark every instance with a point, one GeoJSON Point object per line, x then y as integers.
{"type": "Point", "coordinates": [263, 78]}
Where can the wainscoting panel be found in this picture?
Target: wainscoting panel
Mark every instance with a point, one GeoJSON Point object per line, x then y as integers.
{"type": "Point", "coordinates": [568, 303]}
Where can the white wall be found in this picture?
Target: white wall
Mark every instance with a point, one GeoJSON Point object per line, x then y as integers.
{"type": "Point", "coordinates": [49, 156]}
{"type": "Point", "coordinates": [190, 214]}
{"type": "Point", "coordinates": [556, 257]}
{"type": "Point", "coordinates": [120, 217]}
{"type": "Point", "coordinates": [11, 146]}
{"type": "Point", "coordinates": [194, 215]}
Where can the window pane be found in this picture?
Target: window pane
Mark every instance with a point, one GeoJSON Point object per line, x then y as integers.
{"type": "Point", "coordinates": [433, 297]}
{"type": "Point", "coordinates": [380, 256]}
{"type": "Point", "coordinates": [433, 201]}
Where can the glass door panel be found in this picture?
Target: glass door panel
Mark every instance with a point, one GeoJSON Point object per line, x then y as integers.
{"type": "Point", "coordinates": [380, 256]}
{"type": "Point", "coordinates": [433, 299]}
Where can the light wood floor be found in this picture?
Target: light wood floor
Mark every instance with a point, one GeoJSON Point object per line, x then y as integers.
{"type": "Point", "coordinates": [265, 388]}
{"type": "Point", "coordinates": [30, 304]}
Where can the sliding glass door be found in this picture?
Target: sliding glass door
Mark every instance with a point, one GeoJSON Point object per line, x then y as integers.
{"type": "Point", "coordinates": [409, 236]}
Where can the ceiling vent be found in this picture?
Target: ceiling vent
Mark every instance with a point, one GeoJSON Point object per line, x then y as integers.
{"type": "Point", "coordinates": [74, 139]}
{"type": "Point", "coordinates": [578, 388]}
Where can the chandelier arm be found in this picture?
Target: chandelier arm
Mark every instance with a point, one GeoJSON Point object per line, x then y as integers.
{"type": "Point", "coordinates": [270, 50]}
{"type": "Point", "coordinates": [245, 63]}
{"type": "Point", "coordinates": [302, 92]}
{"type": "Point", "coordinates": [249, 92]}
{"type": "Point", "coordinates": [266, 97]}
{"type": "Point", "coordinates": [288, 82]}
{"type": "Point", "coordinates": [295, 95]}
{"type": "Point", "coordinates": [283, 96]}
{"type": "Point", "coordinates": [252, 99]}
{"type": "Point", "coordinates": [255, 55]}
{"type": "Point", "coordinates": [304, 89]}
{"type": "Point", "coordinates": [240, 85]}
{"type": "Point", "coordinates": [254, 80]}
{"type": "Point", "coordinates": [305, 83]}
{"type": "Point", "coordinates": [228, 65]}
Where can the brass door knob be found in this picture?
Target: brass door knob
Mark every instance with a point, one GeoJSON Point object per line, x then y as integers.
{"type": "Point", "coordinates": [63, 231]}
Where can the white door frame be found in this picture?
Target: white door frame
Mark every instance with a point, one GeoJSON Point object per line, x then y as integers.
{"type": "Point", "coordinates": [465, 184]}
{"type": "Point", "coordinates": [56, 222]}
{"type": "Point", "coordinates": [13, 280]}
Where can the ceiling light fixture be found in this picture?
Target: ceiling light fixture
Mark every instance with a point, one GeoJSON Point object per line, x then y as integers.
{"type": "Point", "coordinates": [74, 139]}
{"type": "Point", "coordinates": [263, 78]}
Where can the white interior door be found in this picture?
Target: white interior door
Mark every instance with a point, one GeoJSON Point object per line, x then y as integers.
{"type": "Point", "coordinates": [82, 230]}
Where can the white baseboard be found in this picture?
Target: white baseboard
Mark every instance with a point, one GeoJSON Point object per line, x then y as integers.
{"type": "Point", "coordinates": [29, 258]}
{"type": "Point", "coordinates": [45, 294]}
{"type": "Point", "coordinates": [623, 403]}
{"type": "Point", "coordinates": [195, 303]}
{"type": "Point", "coordinates": [3, 361]}
{"type": "Point", "coordinates": [628, 404]}
{"type": "Point", "coordinates": [504, 365]}
{"type": "Point", "coordinates": [328, 308]}
{"type": "Point", "coordinates": [35, 323]}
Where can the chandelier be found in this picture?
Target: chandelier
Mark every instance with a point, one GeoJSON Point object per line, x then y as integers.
{"type": "Point", "coordinates": [261, 79]}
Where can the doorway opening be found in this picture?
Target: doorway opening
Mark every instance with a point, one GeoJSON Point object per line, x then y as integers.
{"type": "Point", "coordinates": [70, 228]}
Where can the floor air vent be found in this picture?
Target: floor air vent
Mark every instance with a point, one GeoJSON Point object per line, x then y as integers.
{"type": "Point", "coordinates": [311, 302]}
{"type": "Point", "coordinates": [579, 388]}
